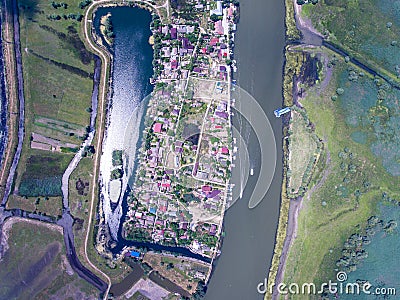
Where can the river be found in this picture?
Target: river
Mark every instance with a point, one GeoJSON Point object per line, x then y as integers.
{"type": "Point", "coordinates": [250, 233]}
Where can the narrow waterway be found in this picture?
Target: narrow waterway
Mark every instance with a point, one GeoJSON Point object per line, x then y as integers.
{"type": "Point", "coordinates": [3, 98]}
{"type": "Point", "coordinates": [250, 233]}
{"type": "Point", "coordinates": [21, 100]}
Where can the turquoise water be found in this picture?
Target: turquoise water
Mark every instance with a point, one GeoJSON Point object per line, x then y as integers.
{"type": "Point", "coordinates": [381, 267]}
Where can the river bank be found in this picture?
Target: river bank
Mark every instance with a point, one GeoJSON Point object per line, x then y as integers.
{"type": "Point", "coordinates": [21, 99]}
{"type": "Point", "coordinates": [289, 210]}
{"type": "Point", "coordinates": [11, 91]}
{"type": "Point", "coordinates": [3, 100]}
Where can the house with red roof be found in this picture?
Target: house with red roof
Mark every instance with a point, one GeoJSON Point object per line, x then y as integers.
{"type": "Point", "coordinates": [224, 150]}
{"type": "Point", "coordinates": [214, 41]}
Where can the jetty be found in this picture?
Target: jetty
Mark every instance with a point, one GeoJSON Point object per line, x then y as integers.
{"type": "Point", "coordinates": [281, 111]}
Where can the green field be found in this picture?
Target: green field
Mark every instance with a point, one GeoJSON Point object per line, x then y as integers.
{"type": "Point", "coordinates": [368, 29]}
{"type": "Point", "coordinates": [351, 185]}
{"type": "Point", "coordinates": [35, 266]}
{"type": "Point", "coordinates": [304, 149]}
{"type": "Point", "coordinates": [41, 179]}
{"type": "Point", "coordinates": [58, 73]}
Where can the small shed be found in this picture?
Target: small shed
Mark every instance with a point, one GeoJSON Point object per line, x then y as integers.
{"type": "Point", "coordinates": [134, 254]}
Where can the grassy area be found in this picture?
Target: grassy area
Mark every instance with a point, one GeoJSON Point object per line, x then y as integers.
{"type": "Point", "coordinates": [355, 177]}
{"type": "Point", "coordinates": [58, 85]}
{"type": "Point", "coordinates": [41, 179]}
{"type": "Point", "coordinates": [35, 266]}
{"type": "Point", "coordinates": [374, 40]}
{"type": "Point", "coordinates": [80, 187]}
{"type": "Point", "coordinates": [11, 84]}
{"type": "Point", "coordinates": [304, 149]}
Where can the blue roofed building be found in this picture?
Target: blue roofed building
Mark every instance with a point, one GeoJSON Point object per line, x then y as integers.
{"type": "Point", "coordinates": [134, 253]}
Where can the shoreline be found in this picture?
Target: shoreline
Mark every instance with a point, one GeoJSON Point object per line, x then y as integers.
{"type": "Point", "coordinates": [290, 208]}
{"type": "Point", "coordinates": [309, 35]}
{"type": "Point", "coordinates": [11, 94]}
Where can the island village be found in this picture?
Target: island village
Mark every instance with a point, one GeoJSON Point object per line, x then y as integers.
{"type": "Point", "coordinates": [182, 176]}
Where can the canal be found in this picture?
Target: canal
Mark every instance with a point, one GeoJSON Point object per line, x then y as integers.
{"type": "Point", "coordinates": [131, 73]}
{"type": "Point", "coordinates": [250, 233]}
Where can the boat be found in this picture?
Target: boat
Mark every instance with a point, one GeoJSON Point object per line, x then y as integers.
{"type": "Point", "coordinates": [279, 112]}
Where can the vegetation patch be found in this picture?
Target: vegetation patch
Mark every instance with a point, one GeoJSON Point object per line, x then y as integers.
{"type": "Point", "coordinates": [350, 187]}
{"type": "Point", "coordinates": [117, 158]}
{"type": "Point", "coordinates": [35, 265]}
{"type": "Point", "coordinates": [50, 186]}
{"type": "Point", "coordinates": [374, 41]}
{"type": "Point", "coordinates": [304, 151]}
{"type": "Point", "coordinates": [43, 175]}
{"type": "Point", "coordinates": [57, 82]}
{"type": "Point", "coordinates": [370, 106]}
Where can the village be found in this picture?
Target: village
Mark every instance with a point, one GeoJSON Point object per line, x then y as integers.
{"type": "Point", "coordinates": [182, 180]}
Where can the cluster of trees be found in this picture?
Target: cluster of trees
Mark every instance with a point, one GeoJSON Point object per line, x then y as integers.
{"type": "Point", "coordinates": [183, 9]}
{"type": "Point", "coordinates": [117, 173]}
{"type": "Point", "coordinates": [149, 138]}
{"type": "Point", "coordinates": [301, 2]}
{"type": "Point", "coordinates": [209, 240]}
{"type": "Point", "coordinates": [138, 234]}
{"type": "Point", "coordinates": [84, 3]}
{"type": "Point", "coordinates": [117, 158]}
{"type": "Point", "coordinates": [88, 151]}
{"type": "Point", "coordinates": [109, 28]}
{"type": "Point", "coordinates": [215, 18]}
{"type": "Point", "coordinates": [54, 17]}
{"type": "Point", "coordinates": [353, 251]}
{"type": "Point", "coordinates": [59, 4]}
{"type": "Point", "coordinates": [201, 290]}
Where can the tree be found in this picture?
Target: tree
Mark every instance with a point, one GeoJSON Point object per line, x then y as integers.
{"type": "Point", "coordinates": [339, 91]}
{"type": "Point", "coordinates": [214, 18]}
{"type": "Point", "coordinates": [116, 173]}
